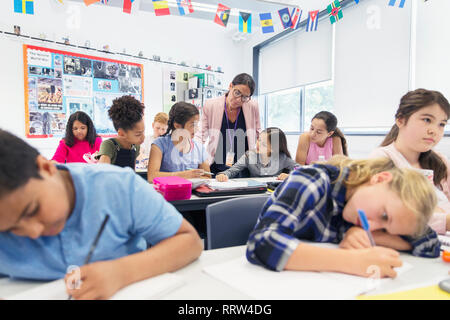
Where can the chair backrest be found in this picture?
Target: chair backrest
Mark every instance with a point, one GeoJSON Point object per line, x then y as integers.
{"type": "Point", "coordinates": [229, 222]}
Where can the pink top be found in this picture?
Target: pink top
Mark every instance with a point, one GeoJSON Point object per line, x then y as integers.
{"type": "Point", "coordinates": [315, 151]}
{"type": "Point", "coordinates": [65, 153]}
{"type": "Point", "coordinates": [438, 220]}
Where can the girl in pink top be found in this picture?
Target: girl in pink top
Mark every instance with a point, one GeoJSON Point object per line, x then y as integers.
{"type": "Point", "coordinates": [81, 140]}
{"type": "Point", "coordinates": [322, 141]}
{"type": "Point", "coordinates": [419, 126]}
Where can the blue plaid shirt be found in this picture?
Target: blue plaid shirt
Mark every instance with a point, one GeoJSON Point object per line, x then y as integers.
{"type": "Point", "coordinates": [309, 205]}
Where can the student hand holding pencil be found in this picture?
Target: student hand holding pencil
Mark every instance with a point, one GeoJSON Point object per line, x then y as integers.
{"type": "Point", "coordinates": [99, 280]}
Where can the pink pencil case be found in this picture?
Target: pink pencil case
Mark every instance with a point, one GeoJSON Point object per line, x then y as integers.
{"type": "Point", "coordinates": [173, 188]}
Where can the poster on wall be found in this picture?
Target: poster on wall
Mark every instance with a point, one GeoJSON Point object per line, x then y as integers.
{"type": "Point", "coordinates": [59, 83]}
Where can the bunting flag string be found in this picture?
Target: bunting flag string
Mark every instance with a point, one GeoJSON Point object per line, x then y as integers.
{"type": "Point", "coordinates": [290, 18]}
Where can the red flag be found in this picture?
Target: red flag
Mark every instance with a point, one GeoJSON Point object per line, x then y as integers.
{"type": "Point", "coordinates": [89, 2]}
{"type": "Point", "coordinates": [222, 15]}
{"type": "Point", "coordinates": [127, 6]}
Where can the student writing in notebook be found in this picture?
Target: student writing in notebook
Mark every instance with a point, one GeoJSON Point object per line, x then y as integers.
{"type": "Point", "coordinates": [321, 202]}
{"type": "Point", "coordinates": [81, 141]}
{"type": "Point", "coordinates": [270, 158]}
{"type": "Point", "coordinates": [50, 215]}
{"type": "Point", "coordinates": [126, 114]}
{"type": "Point", "coordinates": [322, 141]}
{"type": "Point", "coordinates": [176, 153]}
{"type": "Point", "coordinates": [419, 126]}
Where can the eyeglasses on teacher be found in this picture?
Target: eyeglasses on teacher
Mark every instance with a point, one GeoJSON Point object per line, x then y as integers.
{"type": "Point", "coordinates": [238, 94]}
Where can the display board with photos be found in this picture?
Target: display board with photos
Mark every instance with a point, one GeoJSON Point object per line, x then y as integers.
{"type": "Point", "coordinates": [59, 83]}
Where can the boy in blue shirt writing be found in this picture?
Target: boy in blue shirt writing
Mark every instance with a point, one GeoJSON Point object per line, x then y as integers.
{"type": "Point", "coordinates": [50, 215]}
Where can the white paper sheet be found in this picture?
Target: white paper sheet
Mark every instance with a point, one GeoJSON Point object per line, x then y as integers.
{"type": "Point", "coordinates": [260, 283]}
{"type": "Point", "coordinates": [152, 288]}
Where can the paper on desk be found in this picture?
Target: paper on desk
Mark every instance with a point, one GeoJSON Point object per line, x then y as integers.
{"type": "Point", "coordinates": [260, 283]}
{"type": "Point", "coordinates": [152, 288]}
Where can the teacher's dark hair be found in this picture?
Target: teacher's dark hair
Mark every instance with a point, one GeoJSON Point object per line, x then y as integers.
{"type": "Point", "coordinates": [246, 80]}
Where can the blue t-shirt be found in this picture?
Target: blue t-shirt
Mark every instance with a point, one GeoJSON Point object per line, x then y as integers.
{"type": "Point", "coordinates": [137, 214]}
{"type": "Point", "coordinates": [174, 160]}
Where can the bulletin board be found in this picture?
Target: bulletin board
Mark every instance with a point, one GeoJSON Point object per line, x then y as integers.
{"type": "Point", "coordinates": [59, 83]}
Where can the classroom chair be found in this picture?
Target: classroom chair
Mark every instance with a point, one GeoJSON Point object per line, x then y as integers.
{"type": "Point", "coordinates": [229, 222]}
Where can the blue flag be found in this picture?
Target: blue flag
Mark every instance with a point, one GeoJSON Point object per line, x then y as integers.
{"type": "Point", "coordinates": [285, 17]}
{"type": "Point", "coordinates": [401, 4]}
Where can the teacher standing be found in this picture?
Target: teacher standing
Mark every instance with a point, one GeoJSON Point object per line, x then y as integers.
{"type": "Point", "coordinates": [230, 124]}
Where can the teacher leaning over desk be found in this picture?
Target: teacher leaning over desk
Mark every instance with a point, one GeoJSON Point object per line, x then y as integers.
{"type": "Point", "coordinates": [231, 122]}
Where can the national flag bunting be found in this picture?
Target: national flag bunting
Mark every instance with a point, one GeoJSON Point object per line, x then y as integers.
{"type": "Point", "coordinates": [285, 18]}
{"type": "Point", "coordinates": [127, 5]}
{"type": "Point", "coordinates": [222, 15]}
{"type": "Point", "coordinates": [266, 22]}
{"type": "Point", "coordinates": [184, 4]}
{"type": "Point", "coordinates": [104, 1]}
{"type": "Point", "coordinates": [335, 11]}
{"type": "Point", "coordinates": [89, 2]}
{"type": "Point", "coordinates": [313, 19]}
{"type": "Point", "coordinates": [24, 6]}
{"type": "Point", "coordinates": [401, 4]}
{"type": "Point", "coordinates": [245, 22]}
{"type": "Point", "coordinates": [296, 15]}
{"type": "Point", "coordinates": [161, 7]}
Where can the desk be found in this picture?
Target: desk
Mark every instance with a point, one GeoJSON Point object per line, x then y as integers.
{"type": "Point", "coordinates": [200, 203]}
{"type": "Point", "coordinates": [200, 286]}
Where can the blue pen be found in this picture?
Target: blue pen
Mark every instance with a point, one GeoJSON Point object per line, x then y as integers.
{"type": "Point", "coordinates": [365, 225]}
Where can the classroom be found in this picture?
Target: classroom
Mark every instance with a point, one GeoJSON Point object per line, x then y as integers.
{"type": "Point", "coordinates": [243, 149]}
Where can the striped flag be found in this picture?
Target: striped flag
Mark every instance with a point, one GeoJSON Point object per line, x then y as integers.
{"type": "Point", "coordinates": [401, 4]}
{"type": "Point", "coordinates": [295, 17]}
{"type": "Point", "coordinates": [104, 1]}
{"type": "Point", "coordinates": [335, 11]}
{"type": "Point", "coordinates": [222, 15]}
{"type": "Point", "coordinates": [89, 2]}
{"type": "Point", "coordinates": [313, 19]}
{"type": "Point", "coordinates": [245, 22]}
{"type": "Point", "coordinates": [161, 7]}
{"type": "Point", "coordinates": [182, 4]}
{"type": "Point", "coordinates": [24, 6]}
{"type": "Point", "coordinates": [285, 18]}
{"type": "Point", "coordinates": [266, 22]}
{"type": "Point", "coordinates": [127, 5]}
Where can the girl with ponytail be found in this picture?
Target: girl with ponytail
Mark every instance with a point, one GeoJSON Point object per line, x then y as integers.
{"type": "Point", "coordinates": [419, 126]}
{"type": "Point", "coordinates": [176, 153]}
{"type": "Point", "coordinates": [322, 141]}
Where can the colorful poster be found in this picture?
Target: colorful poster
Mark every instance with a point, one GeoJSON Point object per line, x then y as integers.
{"type": "Point", "coordinates": [60, 83]}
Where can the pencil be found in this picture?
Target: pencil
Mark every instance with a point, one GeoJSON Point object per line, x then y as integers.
{"type": "Point", "coordinates": [94, 244]}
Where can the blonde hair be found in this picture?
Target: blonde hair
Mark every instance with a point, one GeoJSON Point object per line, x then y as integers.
{"type": "Point", "coordinates": [161, 117]}
{"type": "Point", "coordinates": [412, 187]}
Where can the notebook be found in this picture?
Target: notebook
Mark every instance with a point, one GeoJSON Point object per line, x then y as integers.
{"type": "Point", "coordinates": [152, 288]}
{"type": "Point", "coordinates": [230, 187]}
{"type": "Point", "coordinates": [293, 285]}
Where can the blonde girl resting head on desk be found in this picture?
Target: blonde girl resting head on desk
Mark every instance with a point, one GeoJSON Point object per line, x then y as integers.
{"type": "Point", "coordinates": [419, 126]}
{"type": "Point", "coordinates": [270, 158]}
{"type": "Point", "coordinates": [320, 202]}
{"type": "Point", "coordinates": [176, 153]}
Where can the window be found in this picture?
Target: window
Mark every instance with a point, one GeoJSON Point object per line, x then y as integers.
{"type": "Point", "coordinates": [283, 110]}
{"type": "Point", "coordinates": [318, 97]}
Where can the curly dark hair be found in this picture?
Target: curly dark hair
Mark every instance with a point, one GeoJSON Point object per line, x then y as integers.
{"type": "Point", "coordinates": [84, 119]}
{"type": "Point", "coordinates": [125, 112]}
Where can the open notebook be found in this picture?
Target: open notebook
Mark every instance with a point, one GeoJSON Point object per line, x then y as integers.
{"type": "Point", "coordinates": [153, 288]}
{"type": "Point", "coordinates": [293, 285]}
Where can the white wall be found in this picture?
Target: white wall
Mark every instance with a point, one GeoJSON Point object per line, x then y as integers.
{"type": "Point", "coordinates": [182, 38]}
